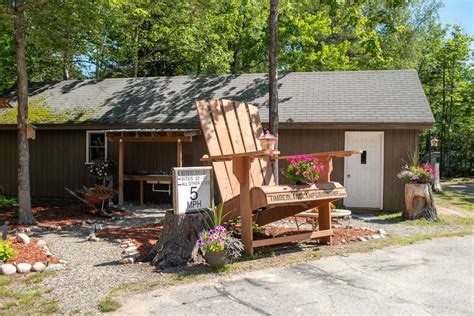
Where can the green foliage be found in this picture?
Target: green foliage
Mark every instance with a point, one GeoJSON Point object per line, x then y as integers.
{"type": "Point", "coordinates": [8, 201]}
{"type": "Point", "coordinates": [108, 304]}
{"type": "Point", "coordinates": [216, 215]}
{"type": "Point", "coordinates": [40, 112]}
{"type": "Point", "coordinates": [123, 38]}
{"type": "Point", "coordinates": [6, 251]}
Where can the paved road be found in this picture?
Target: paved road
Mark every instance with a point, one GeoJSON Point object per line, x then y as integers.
{"type": "Point", "coordinates": [433, 277]}
{"type": "Point", "coordinates": [463, 188]}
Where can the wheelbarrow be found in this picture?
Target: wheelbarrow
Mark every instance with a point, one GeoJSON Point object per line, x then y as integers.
{"type": "Point", "coordinates": [97, 198]}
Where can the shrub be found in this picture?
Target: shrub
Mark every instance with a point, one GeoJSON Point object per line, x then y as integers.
{"type": "Point", "coordinates": [8, 201]}
{"type": "Point", "coordinates": [6, 251]}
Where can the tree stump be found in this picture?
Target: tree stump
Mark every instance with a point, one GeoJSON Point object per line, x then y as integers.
{"type": "Point", "coordinates": [177, 243]}
{"type": "Point", "coordinates": [419, 202]}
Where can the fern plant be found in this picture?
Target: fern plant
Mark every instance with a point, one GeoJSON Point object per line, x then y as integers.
{"type": "Point", "coordinates": [6, 251]}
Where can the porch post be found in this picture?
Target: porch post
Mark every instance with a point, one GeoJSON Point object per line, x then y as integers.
{"type": "Point", "coordinates": [120, 172]}
{"type": "Point", "coordinates": [179, 153]}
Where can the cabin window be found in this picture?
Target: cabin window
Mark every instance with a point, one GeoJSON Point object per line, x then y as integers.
{"type": "Point", "coordinates": [96, 146]}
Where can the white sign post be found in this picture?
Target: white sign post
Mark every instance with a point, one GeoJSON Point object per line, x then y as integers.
{"type": "Point", "coordinates": [192, 189]}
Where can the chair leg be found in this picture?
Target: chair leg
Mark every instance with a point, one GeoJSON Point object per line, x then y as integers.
{"type": "Point", "coordinates": [324, 219]}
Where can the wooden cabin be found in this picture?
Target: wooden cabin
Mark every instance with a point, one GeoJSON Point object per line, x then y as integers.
{"type": "Point", "coordinates": [380, 112]}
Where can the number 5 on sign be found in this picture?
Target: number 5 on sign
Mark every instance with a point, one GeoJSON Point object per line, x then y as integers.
{"type": "Point", "coordinates": [192, 189]}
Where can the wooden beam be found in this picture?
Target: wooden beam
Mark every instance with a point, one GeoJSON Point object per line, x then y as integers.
{"type": "Point", "coordinates": [250, 154]}
{"type": "Point", "coordinates": [179, 153]}
{"type": "Point", "coordinates": [121, 172]}
{"type": "Point", "coordinates": [150, 139]}
{"type": "Point", "coordinates": [346, 153]}
{"type": "Point", "coordinates": [285, 239]}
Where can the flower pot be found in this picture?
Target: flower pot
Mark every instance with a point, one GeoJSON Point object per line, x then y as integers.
{"type": "Point", "coordinates": [216, 259]}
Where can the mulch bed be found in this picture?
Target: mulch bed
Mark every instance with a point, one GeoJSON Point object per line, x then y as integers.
{"type": "Point", "coordinates": [30, 253]}
{"type": "Point", "coordinates": [51, 216]}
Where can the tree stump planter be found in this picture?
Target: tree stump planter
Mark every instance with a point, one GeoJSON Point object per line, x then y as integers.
{"type": "Point", "coordinates": [419, 202]}
{"type": "Point", "coordinates": [177, 244]}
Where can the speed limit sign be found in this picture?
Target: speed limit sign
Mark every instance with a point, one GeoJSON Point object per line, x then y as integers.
{"type": "Point", "coordinates": [192, 189]}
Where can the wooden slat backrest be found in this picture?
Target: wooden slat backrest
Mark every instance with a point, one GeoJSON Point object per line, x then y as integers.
{"type": "Point", "coordinates": [235, 128]}
{"type": "Point", "coordinates": [222, 169]}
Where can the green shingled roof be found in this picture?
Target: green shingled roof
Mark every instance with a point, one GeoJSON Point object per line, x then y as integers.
{"type": "Point", "coordinates": [394, 96]}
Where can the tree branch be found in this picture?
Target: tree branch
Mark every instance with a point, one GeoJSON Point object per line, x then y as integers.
{"type": "Point", "coordinates": [29, 5]}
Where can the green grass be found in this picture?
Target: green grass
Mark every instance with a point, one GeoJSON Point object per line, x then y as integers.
{"type": "Point", "coordinates": [389, 217]}
{"type": "Point", "coordinates": [8, 201]}
{"type": "Point", "coordinates": [24, 298]}
{"type": "Point", "coordinates": [108, 304]}
{"type": "Point", "coordinates": [34, 278]}
{"type": "Point", "coordinates": [458, 200]}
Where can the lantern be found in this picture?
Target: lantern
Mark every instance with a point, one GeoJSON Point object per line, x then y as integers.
{"type": "Point", "coordinates": [267, 141]}
{"type": "Point", "coordinates": [434, 142]}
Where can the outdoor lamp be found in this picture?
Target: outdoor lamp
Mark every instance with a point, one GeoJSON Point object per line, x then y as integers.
{"type": "Point", "coordinates": [434, 142]}
{"type": "Point", "coordinates": [267, 141]}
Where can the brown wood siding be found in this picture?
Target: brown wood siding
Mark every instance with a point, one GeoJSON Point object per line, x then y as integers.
{"type": "Point", "coordinates": [398, 144]}
{"type": "Point", "coordinates": [58, 156]}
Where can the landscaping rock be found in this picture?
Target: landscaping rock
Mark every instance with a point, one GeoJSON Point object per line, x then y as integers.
{"type": "Point", "coordinates": [382, 232]}
{"type": "Point", "coordinates": [8, 269]}
{"type": "Point", "coordinates": [130, 250]}
{"type": "Point", "coordinates": [129, 259]}
{"type": "Point", "coordinates": [49, 254]}
{"type": "Point", "coordinates": [41, 243]}
{"type": "Point", "coordinates": [36, 229]}
{"type": "Point", "coordinates": [362, 239]}
{"type": "Point", "coordinates": [376, 237]}
{"type": "Point", "coordinates": [23, 268]}
{"type": "Point", "coordinates": [38, 267]}
{"type": "Point", "coordinates": [93, 238]}
{"type": "Point", "coordinates": [62, 261]}
{"type": "Point", "coordinates": [23, 238]}
{"type": "Point", "coordinates": [54, 267]}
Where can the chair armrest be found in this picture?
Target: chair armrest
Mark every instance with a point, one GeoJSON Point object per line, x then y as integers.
{"type": "Point", "coordinates": [250, 154]}
{"type": "Point", "coordinates": [346, 153]}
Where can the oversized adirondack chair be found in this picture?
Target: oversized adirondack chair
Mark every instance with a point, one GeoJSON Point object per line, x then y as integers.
{"type": "Point", "coordinates": [245, 179]}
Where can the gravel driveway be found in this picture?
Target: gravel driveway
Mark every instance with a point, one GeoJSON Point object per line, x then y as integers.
{"type": "Point", "coordinates": [92, 268]}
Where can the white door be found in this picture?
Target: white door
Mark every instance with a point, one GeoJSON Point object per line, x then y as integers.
{"type": "Point", "coordinates": [364, 173]}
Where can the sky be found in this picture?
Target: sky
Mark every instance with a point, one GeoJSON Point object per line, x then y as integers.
{"type": "Point", "coordinates": [458, 12]}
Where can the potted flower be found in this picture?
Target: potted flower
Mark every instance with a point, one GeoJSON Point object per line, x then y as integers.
{"type": "Point", "coordinates": [418, 195]}
{"type": "Point", "coordinates": [303, 169]}
{"type": "Point", "coordinates": [217, 244]}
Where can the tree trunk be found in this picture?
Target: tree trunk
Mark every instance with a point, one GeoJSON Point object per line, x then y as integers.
{"type": "Point", "coordinates": [177, 244]}
{"type": "Point", "coordinates": [136, 57]}
{"type": "Point", "coordinates": [66, 75]}
{"type": "Point", "coordinates": [273, 77]}
{"type": "Point", "coordinates": [419, 202]}
{"type": "Point", "coordinates": [24, 198]}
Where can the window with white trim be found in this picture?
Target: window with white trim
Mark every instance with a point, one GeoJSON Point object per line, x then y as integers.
{"type": "Point", "coordinates": [96, 146]}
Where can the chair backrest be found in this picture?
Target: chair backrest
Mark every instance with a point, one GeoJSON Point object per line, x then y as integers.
{"type": "Point", "coordinates": [231, 127]}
